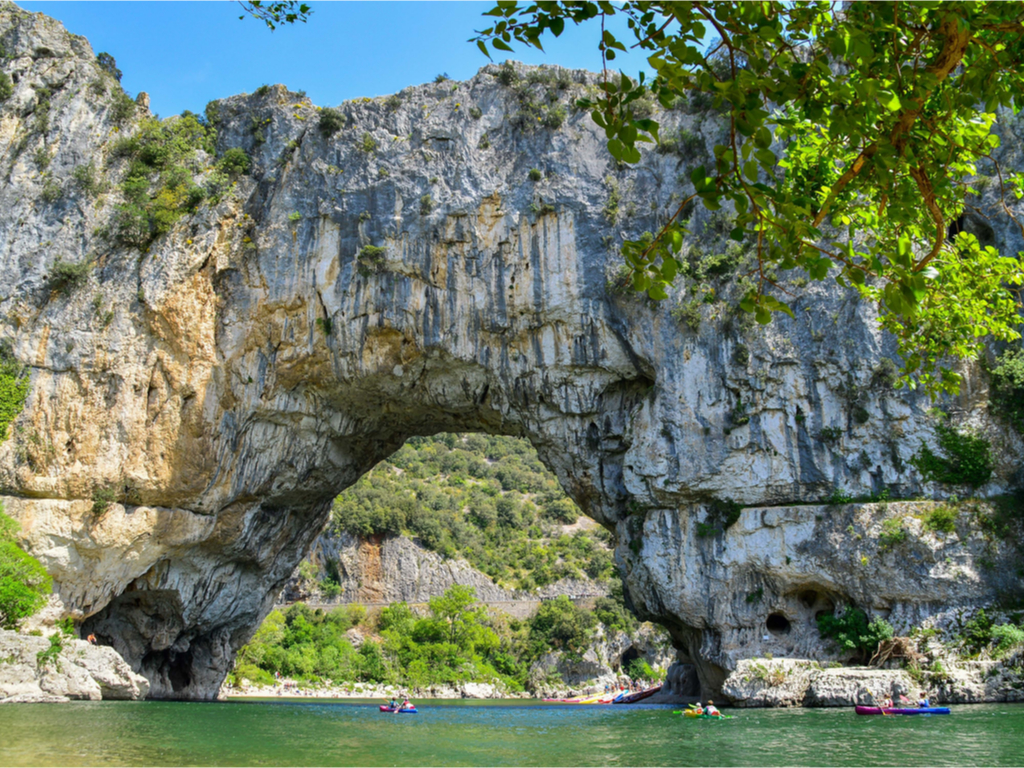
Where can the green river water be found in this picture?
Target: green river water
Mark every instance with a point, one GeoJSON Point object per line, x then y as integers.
{"type": "Point", "coordinates": [352, 733]}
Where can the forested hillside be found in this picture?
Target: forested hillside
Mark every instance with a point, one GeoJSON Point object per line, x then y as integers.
{"type": "Point", "coordinates": [486, 499]}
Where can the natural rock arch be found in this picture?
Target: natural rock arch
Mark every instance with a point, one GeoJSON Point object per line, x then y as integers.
{"type": "Point", "coordinates": [256, 360]}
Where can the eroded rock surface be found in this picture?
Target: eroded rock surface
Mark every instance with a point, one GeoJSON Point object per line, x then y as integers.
{"type": "Point", "coordinates": [228, 381]}
{"type": "Point", "coordinates": [79, 671]}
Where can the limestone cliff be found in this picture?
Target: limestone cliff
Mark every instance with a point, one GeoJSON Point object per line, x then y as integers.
{"type": "Point", "coordinates": [386, 569]}
{"type": "Point", "coordinates": [228, 379]}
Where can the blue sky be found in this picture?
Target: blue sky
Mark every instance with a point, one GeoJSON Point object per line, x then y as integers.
{"type": "Point", "coordinates": [185, 54]}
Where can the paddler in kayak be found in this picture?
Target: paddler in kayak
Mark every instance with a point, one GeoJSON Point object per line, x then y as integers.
{"type": "Point", "coordinates": [711, 709]}
{"type": "Point", "coordinates": [922, 701]}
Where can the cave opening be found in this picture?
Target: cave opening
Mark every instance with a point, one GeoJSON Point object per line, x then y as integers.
{"type": "Point", "coordinates": [778, 624]}
{"type": "Point", "coordinates": [630, 654]}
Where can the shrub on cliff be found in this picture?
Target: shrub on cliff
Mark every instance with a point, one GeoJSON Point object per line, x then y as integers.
{"type": "Point", "coordinates": [967, 460]}
{"type": "Point", "coordinates": [14, 383]}
{"type": "Point", "coordinates": [331, 121]}
{"type": "Point", "coordinates": [853, 633]}
{"type": "Point", "coordinates": [234, 162]}
{"type": "Point", "coordinates": [6, 87]}
{"type": "Point", "coordinates": [24, 583]}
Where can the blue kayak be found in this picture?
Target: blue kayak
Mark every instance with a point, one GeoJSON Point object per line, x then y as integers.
{"type": "Point", "coordinates": [393, 710]}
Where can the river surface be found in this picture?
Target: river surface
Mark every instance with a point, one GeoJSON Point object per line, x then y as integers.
{"type": "Point", "coordinates": [353, 733]}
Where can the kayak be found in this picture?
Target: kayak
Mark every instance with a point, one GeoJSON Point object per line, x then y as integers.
{"type": "Point", "coordinates": [693, 715]}
{"type": "Point", "coordinates": [906, 711]}
{"type": "Point", "coordinates": [604, 698]}
{"type": "Point", "coordinates": [630, 698]}
{"type": "Point", "coordinates": [406, 711]}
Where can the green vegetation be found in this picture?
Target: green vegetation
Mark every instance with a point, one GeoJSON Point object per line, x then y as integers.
{"type": "Point", "coordinates": [683, 142]}
{"type": "Point", "coordinates": [852, 633]}
{"type": "Point", "coordinates": [687, 313]}
{"type": "Point", "coordinates": [830, 435]}
{"type": "Point", "coordinates": [14, 385]}
{"type": "Point", "coordinates": [941, 519]}
{"type": "Point", "coordinates": [826, 110]}
{"type": "Point", "coordinates": [6, 87]}
{"type": "Point", "coordinates": [108, 64]}
{"type": "Point", "coordinates": [52, 191]}
{"type": "Point", "coordinates": [535, 174]}
{"type": "Point", "coordinates": [234, 162]}
{"type": "Point", "coordinates": [367, 144]}
{"type": "Point", "coordinates": [67, 276]}
{"type": "Point", "coordinates": [426, 205]}
{"type": "Point", "coordinates": [122, 107]}
{"type": "Point", "coordinates": [1007, 400]}
{"type": "Point", "coordinates": [489, 500]}
{"type": "Point", "coordinates": [455, 640]}
{"type": "Point", "coordinates": [893, 533]}
{"type": "Point", "coordinates": [370, 260]}
{"type": "Point", "coordinates": [84, 177]}
{"type": "Point", "coordinates": [982, 635]}
{"type": "Point", "coordinates": [537, 96]}
{"type": "Point", "coordinates": [839, 496]}
{"type": "Point", "coordinates": [159, 185]}
{"type": "Point", "coordinates": [24, 583]}
{"type": "Point", "coordinates": [102, 498]}
{"type": "Point", "coordinates": [331, 121]}
{"type": "Point", "coordinates": [967, 460]}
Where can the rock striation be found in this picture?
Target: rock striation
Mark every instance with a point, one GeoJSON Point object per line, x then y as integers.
{"type": "Point", "coordinates": [406, 275]}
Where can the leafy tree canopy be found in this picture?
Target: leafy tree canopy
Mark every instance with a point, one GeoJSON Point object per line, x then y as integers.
{"type": "Point", "coordinates": [853, 141]}
{"type": "Point", "coordinates": [274, 14]}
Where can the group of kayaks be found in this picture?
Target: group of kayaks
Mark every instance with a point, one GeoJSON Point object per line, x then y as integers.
{"type": "Point", "coordinates": [623, 696]}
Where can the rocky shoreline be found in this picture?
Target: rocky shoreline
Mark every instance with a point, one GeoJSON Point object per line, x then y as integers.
{"type": "Point", "coordinates": [79, 672]}
{"type": "Point", "coordinates": [806, 683]}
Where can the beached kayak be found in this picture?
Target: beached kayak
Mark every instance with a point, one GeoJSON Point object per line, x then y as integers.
{"type": "Point", "coordinates": [903, 711]}
{"type": "Point", "coordinates": [406, 711]}
{"type": "Point", "coordinates": [630, 698]}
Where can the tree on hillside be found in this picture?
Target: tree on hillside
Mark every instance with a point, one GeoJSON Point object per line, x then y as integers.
{"type": "Point", "coordinates": [854, 138]}
{"type": "Point", "coordinates": [458, 610]}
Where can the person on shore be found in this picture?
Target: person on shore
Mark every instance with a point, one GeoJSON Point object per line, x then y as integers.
{"type": "Point", "coordinates": [922, 701]}
{"type": "Point", "coordinates": [711, 709]}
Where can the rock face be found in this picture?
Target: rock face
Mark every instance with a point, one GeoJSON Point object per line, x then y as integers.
{"type": "Point", "coordinates": [388, 569]}
{"type": "Point", "coordinates": [80, 671]}
{"type": "Point", "coordinates": [256, 359]}
{"type": "Point", "coordinates": [800, 682]}
{"type": "Point", "coordinates": [603, 662]}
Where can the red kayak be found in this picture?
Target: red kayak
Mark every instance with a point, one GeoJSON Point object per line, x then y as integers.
{"type": "Point", "coordinates": [907, 711]}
